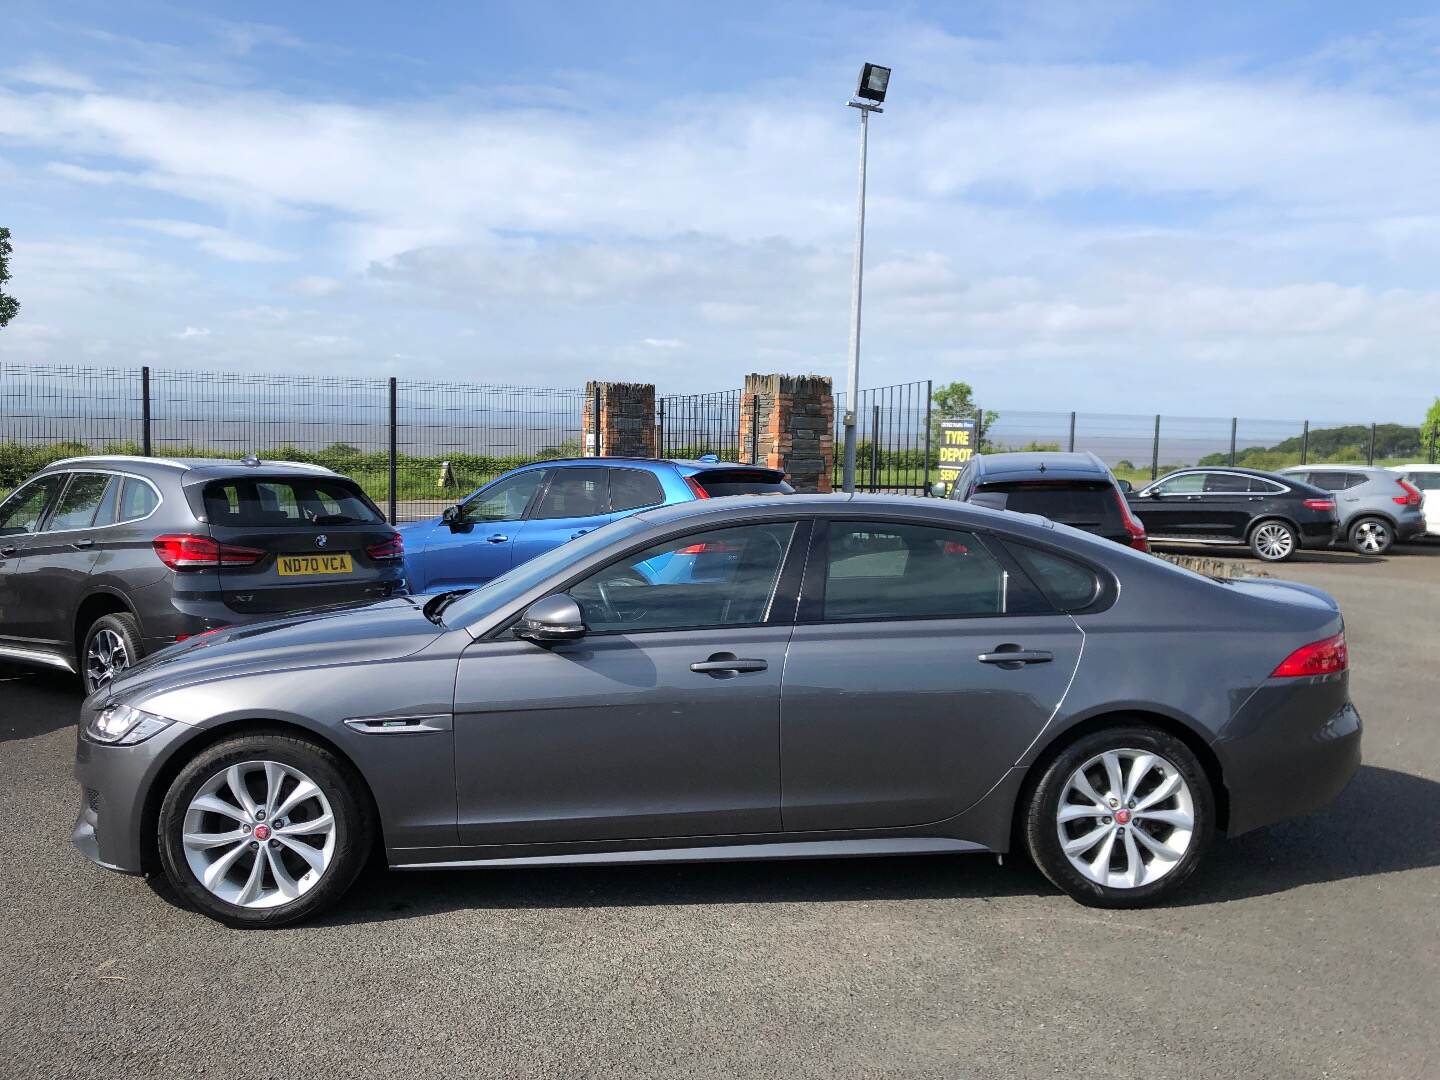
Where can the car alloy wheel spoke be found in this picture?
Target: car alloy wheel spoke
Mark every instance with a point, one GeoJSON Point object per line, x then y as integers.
{"type": "Point", "coordinates": [1108, 839]}
{"type": "Point", "coordinates": [225, 822]}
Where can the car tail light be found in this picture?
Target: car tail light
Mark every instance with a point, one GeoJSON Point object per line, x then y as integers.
{"type": "Point", "coordinates": [1319, 504]}
{"type": "Point", "coordinates": [1318, 658]}
{"type": "Point", "coordinates": [392, 550]}
{"type": "Point", "coordinates": [185, 551]}
{"type": "Point", "coordinates": [714, 546]}
{"type": "Point", "coordinates": [1411, 496]}
{"type": "Point", "coordinates": [1132, 526]}
{"type": "Point", "coordinates": [694, 486]}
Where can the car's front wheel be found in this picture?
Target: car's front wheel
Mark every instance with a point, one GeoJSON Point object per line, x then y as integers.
{"type": "Point", "coordinates": [1273, 541]}
{"type": "Point", "coordinates": [264, 829]}
{"type": "Point", "coordinates": [1121, 817]}
{"type": "Point", "coordinates": [1371, 536]}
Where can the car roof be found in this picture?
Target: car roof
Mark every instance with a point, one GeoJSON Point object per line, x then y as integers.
{"type": "Point", "coordinates": [191, 468]}
{"type": "Point", "coordinates": [685, 465]}
{"type": "Point", "coordinates": [848, 505]}
{"type": "Point", "coordinates": [1042, 463]}
{"type": "Point", "coordinates": [1332, 467]}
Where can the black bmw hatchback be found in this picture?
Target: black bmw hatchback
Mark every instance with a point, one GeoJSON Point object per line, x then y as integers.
{"type": "Point", "coordinates": [1276, 516]}
{"type": "Point", "coordinates": [106, 559]}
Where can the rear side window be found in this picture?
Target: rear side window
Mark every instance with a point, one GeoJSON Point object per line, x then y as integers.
{"type": "Point", "coordinates": [720, 482]}
{"type": "Point", "coordinates": [1337, 481]}
{"type": "Point", "coordinates": [1226, 483]}
{"type": "Point", "coordinates": [137, 500]}
{"type": "Point", "coordinates": [631, 489]}
{"type": "Point", "coordinates": [76, 509]}
{"type": "Point", "coordinates": [576, 492]}
{"type": "Point", "coordinates": [1069, 585]}
{"type": "Point", "coordinates": [886, 570]}
{"type": "Point", "coordinates": [1083, 504]}
{"type": "Point", "coordinates": [285, 502]}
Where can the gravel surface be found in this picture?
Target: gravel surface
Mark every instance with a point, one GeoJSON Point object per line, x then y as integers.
{"type": "Point", "coordinates": [1309, 949]}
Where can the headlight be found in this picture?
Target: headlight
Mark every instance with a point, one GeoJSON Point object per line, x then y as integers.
{"type": "Point", "coordinates": [123, 726]}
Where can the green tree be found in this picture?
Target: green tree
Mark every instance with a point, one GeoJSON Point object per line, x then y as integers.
{"type": "Point", "coordinates": [956, 401]}
{"type": "Point", "coordinates": [9, 306]}
{"type": "Point", "coordinates": [1430, 429]}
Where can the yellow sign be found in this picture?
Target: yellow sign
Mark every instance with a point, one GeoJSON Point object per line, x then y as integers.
{"type": "Point", "coordinates": [957, 447]}
{"type": "Point", "coordinates": [305, 565]}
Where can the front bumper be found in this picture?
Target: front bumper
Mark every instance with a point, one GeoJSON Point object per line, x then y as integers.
{"type": "Point", "coordinates": [115, 781]}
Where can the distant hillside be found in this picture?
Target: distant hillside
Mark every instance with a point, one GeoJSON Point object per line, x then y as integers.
{"type": "Point", "coordinates": [1350, 443]}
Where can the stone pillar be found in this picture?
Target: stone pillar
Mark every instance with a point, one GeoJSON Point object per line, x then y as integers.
{"type": "Point", "coordinates": [788, 422]}
{"type": "Point", "coordinates": [627, 419]}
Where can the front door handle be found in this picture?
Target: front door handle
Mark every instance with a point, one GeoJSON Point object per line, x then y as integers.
{"type": "Point", "coordinates": [8, 550]}
{"type": "Point", "coordinates": [1012, 656]}
{"type": "Point", "coordinates": [726, 665]}
{"type": "Point", "coordinates": [497, 538]}
{"type": "Point", "coordinates": [81, 545]}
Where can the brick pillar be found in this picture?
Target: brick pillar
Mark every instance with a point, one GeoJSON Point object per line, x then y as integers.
{"type": "Point", "coordinates": [790, 421]}
{"type": "Point", "coordinates": [627, 419]}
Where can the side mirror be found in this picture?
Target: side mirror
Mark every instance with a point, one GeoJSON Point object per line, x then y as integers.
{"type": "Point", "coordinates": [1125, 486]}
{"type": "Point", "coordinates": [992, 500]}
{"type": "Point", "coordinates": [938, 489]}
{"type": "Point", "coordinates": [450, 515]}
{"type": "Point", "coordinates": [554, 618]}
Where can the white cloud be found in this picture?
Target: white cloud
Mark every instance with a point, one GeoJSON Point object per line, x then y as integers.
{"type": "Point", "coordinates": [193, 332]}
{"type": "Point", "coordinates": [316, 285]}
{"type": "Point", "coordinates": [663, 343]}
{"type": "Point", "coordinates": [216, 241]}
{"type": "Point", "coordinates": [50, 76]}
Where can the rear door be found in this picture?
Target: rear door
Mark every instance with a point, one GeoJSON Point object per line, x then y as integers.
{"type": "Point", "coordinates": [898, 707]}
{"type": "Point", "coordinates": [1227, 503]}
{"type": "Point", "coordinates": [311, 536]}
{"type": "Point", "coordinates": [573, 502]}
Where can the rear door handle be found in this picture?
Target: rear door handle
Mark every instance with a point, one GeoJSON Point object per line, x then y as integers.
{"type": "Point", "coordinates": [82, 544]}
{"type": "Point", "coordinates": [497, 538]}
{"type": "Point", "coordinates": [1016, 657]}
{"type": "Point", "coordinates": [578, 533]}
{"type": "Point", "coordinates": [722, 664]}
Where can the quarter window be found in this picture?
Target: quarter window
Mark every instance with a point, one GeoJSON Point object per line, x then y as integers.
{"type": "Point", "coordinates": [885, 570]}
{"type": "Point", "coordinates": [631, 489]}
{"type": "Point", "coordinates": [24, 509]}
{"type": "Point", "coordinates": [578, 492]}
{"type": "Point", "coordinates": [137, 500]}
{"type": "Point", "coordinates": [1068, 584]}
{"type": "Point", "coordinates": [723, 577]}
{"type": "Point", "coordinates": [76, 509]}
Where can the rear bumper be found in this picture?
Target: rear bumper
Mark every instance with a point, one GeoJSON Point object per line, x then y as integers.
{"type": "Point", "coordinates": [1291, 750]}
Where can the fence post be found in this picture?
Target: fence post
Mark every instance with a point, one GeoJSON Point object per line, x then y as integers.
{"type": "Point", "coordinates": [394, 456]}
{"type": "Point", "coordinates": [929, 390]}
{"type": "Point", "coordinates": [1234, 423]}
{"type": "Point", "coordinates": [1370, 458]}
{"type": "Point", "coordinates": [1072, 432]}
{"type": "Point", "coordinates": [660, 428]}
{"type": "Point", "coordinates": [874, 447]}
{"type": "Point", "coordinates": [1305, 444]}
{"type": "Point", "coordinates": [1434, 438]}
{"type": "Point", "coordinates": [145, 411]}
{"type": "Point", "coordinates": [1155, 450]}
{"type": "Point", "coordinates": [979, 428]}
{"type": "Point", "coordinates": [595, 418]}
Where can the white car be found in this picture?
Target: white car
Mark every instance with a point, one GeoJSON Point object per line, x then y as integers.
{"type": "Point", "coordinates": [1427, 479]}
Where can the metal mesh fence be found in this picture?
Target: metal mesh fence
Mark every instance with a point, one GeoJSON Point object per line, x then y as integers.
{"type": "Point", "coordinates": [895, 444]}
{"type": "Point", "coordinates": [690, 425]}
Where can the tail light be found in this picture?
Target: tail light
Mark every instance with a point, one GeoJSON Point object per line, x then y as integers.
{"type": "Point", "coordinates": [392, 550]}
{"type": "Point", "coordinates": [1411, 496]}
{"type": "Point", "coordinates": [694, 486]}
{"type": "Point", "coordinates": [1132, 526]}
{"type": "Point", "coordinates": [714, 546]}
{"type": "Point", "coordinates": [185, 551]}
{"type": "Point", "coordinates": [1319, 504]}
{"type": "Point", "coordinates": [1318, 658]}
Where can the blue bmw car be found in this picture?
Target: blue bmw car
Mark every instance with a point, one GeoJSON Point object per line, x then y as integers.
{"type": "Point", "coordinates": [534, 508]}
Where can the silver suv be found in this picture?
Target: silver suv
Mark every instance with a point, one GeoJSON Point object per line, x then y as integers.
{"type": "Point", "coordinates": [1377, 507]}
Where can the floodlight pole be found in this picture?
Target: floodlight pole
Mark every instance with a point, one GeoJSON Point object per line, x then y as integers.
{"type": "Point", "coordinates": [852, 386]}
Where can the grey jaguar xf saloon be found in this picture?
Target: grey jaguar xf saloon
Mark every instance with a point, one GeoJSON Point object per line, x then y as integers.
{"type": "Point", "coordinates": [741, 678]}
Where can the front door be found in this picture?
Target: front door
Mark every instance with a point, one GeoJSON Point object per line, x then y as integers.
{"type": "Point", "coordinates": [899, 707]}
{"type": "Point", "coordinates": [55, 563]}
{"type": "Point", "coordinates": [23, 622]}
{"type": "Point", "coordinates": [663, 721]}
{"type": "Point", "coordinates": [1172, 507]}
{"type": "Point", "coordinates": [480, 543]}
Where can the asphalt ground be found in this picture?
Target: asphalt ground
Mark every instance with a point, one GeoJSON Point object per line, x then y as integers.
{"type": "Point", "coordinates": [1305, 950]}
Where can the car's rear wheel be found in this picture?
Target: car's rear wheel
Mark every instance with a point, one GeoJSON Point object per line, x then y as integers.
{"type": "Point", "coordinates": [1121, 817]}
{"type": "Point", "coordinates": [1371, 536]}
{"type": "Point", "coordinates": [1273, 541]}
{"type": "Point", "coordinates": [263, 829]}
{"type": "Point", "coordinates": [112, 644]}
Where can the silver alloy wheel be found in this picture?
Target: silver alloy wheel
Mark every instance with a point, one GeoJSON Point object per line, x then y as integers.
{"type": "Point", "coordinates": [1372, 537]}
{"type": "Point", "coordinates": [1126, 818]}
{"type": "Point", "coordinates": [106, 657]}
{"type": "Point", "coordinates": [259, 834]}
{"type": "Point", "coordinates": [1274, 540]}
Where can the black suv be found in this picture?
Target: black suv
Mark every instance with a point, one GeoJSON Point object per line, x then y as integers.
{"type": "Point", "coordinates": [1074, 489]}
{"type": "Point", "coordinates": [106, 559]}
{"type": "Point", "coordinates": [1275, 515]}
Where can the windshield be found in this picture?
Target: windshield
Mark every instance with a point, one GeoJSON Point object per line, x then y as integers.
{"type": "Point", "coordinates": [494, 594]}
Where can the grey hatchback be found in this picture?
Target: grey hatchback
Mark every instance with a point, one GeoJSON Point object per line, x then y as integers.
{"type": "Point", "coordinates": [738, 678]}
{"type": "Point", "coordinates": [106, 559]}
{"type": "Point", "coordinates": [1377, 507]}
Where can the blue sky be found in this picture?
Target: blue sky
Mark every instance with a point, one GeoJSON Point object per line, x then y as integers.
{"type": "Point", "coordinates": [1113, 206]}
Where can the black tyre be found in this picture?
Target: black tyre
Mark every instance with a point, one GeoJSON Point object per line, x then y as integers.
{"type": "Point", "coordinates": [112, 644]}
{"type": "Point", "coordinates": [1272, 540]}
{"type": "Point", "coordinates": [1121, 818]}
{"type": "Point", "coordinates": [1371, 536]}
{"type": "Point", "coordinates": [264, 829]}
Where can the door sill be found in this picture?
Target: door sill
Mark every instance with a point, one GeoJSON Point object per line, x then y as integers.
{"type": "Point", "coordinates": [783, 849]}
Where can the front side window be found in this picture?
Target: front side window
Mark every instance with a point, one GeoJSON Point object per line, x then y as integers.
{"type": "Point", "coordinates": [885, 570]}
{"type": "Point", "coordinates": [76, 509]}
{"type": "Point", "coordinates": [23, 510]}
{"type": "Point", "coordinates": [1185, 484]}
{"type": "Point", "coordinates": [504, 500]}
{"type": "Point", "coordinates": [579, 492]}
{"type": "Point", "coordinates": [722, 577]}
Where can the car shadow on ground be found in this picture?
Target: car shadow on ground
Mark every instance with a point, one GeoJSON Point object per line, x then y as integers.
{"type": "Point", "coordinates": [1335, 555]}
{"type": "Point", "coordinates": [36, 701]}
{"type": "Point", "coordinates": [1339, 843]}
